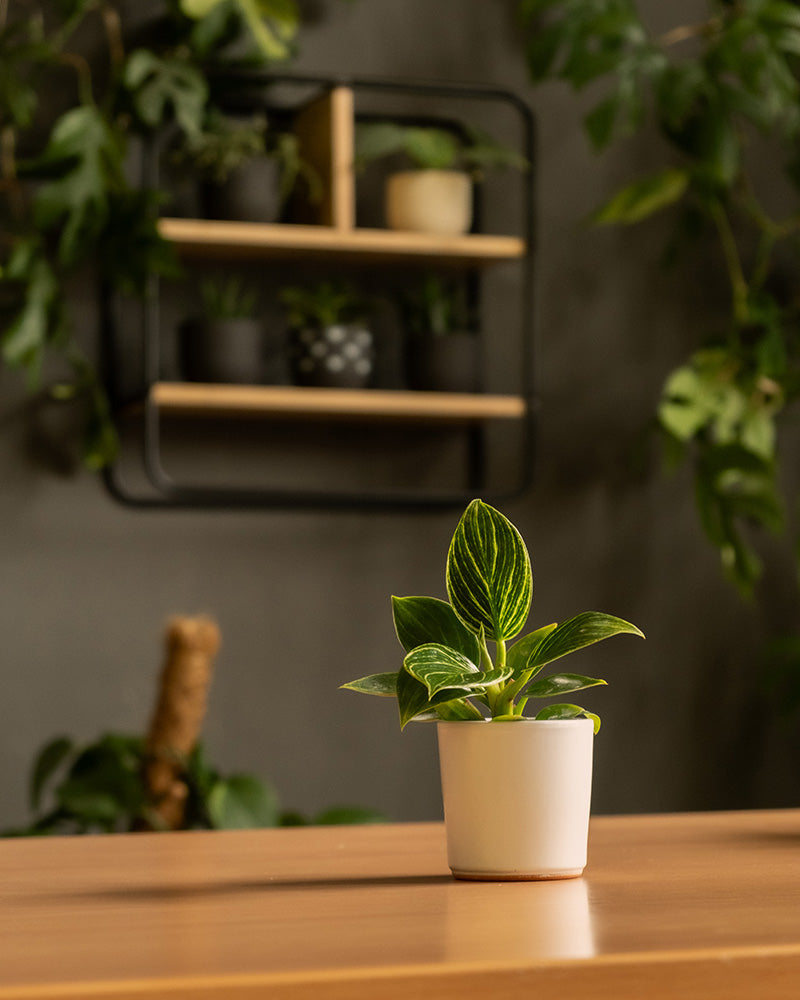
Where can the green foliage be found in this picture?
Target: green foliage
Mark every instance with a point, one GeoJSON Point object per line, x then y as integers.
{"type": "Point", "coordinates": [431, 148]}
{"type": "Point", "coordinates": [434, 307]}
{"type": "Point", "coordinates": [326, 304]}
{"type": "Point", "coordinates": [83, 210]}
{"type": "Point", "coordinates": [98, 788]}
{"type": "Point", "coordinates": [448, 667]}
{"type": "Point", "coordinates": [228, 298]}
{"type": "Point", "coordinates": [724, 94]}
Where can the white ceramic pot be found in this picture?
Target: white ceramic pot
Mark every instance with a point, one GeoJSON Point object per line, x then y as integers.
{"type": "Point", "coordinates": [516, 797]}
{"type": "Point", "coordinates": [429, 201]}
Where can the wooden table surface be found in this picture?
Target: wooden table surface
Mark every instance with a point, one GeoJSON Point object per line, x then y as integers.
{"type": "Point", "coordinates": [696, 906]}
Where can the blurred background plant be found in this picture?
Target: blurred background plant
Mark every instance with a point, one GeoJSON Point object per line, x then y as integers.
{"type": "Point", "coordinates": [65, 199]}
{"type": "Point", "coordinates": [723, 94]}
{"type": "Point", "coordinates": [98, 788]}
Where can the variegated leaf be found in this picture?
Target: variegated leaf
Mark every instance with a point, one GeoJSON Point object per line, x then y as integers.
{"type": "Point", "coordinates": [384, 685]}
{"type": "Point", "coordinates": [582, 630]}
{"type": "Point", "coordinates": [569, 712]}
{"type": "Point", "coordinates": [413, 700]}
{"type": "Point", "coordinates": [489, 579]}
{"type": "Point", "coordinates": [558, 684]}
{"type": "Point", "coordinates": [440, 668]}
{"type": "Point", "coordinates": [419, 620]}
{"type": "Point", "coordinates": [520, 653]}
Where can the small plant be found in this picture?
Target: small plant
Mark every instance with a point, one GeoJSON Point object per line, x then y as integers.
{"type": "Point", "coordinates": [448, 667]}
{"type": "Point", "coordinates": [327, 304]}
{"type": "Point", "coordinates": [228, 298]}
{"type": "Point", "coordinates": [433, 148]}
{"type": "Point", "coordinates": [225, 144]}
{"type": "Point", "coordinates": [99, 788]}
{"type": "Point", "coordinates": [434, 307]}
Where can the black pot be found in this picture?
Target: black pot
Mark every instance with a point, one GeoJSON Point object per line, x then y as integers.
{"type": "Point", "coordinates": [341, 355]}
{"type": "Point", "coordinates": [251, 193]}
{"type": "Point", "coordinates": [230, 350]}
{"type": "Point", "coordinates": [448, 362]}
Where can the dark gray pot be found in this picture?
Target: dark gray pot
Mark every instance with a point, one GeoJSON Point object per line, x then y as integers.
{"type": "Point", "coordinates": [446, 363]}
{"type": "Point", "coordinates": [341, 355]}
{"type": "Point", "coordinates": [251, 193]}
{"type": "Point", "coordinates": [229, 350]}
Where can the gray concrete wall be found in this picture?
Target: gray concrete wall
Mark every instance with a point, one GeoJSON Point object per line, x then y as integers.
{"type": "Point", "coordinates": [303, 598]}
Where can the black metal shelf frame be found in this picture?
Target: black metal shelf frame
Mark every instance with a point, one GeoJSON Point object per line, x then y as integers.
{"type": "Point", "coordinates": [167, 492]}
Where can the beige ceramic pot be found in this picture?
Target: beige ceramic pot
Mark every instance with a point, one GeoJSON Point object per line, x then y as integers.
{"type": "Point", "coordinates": [516, 797]}
{"type": "Point", "coordinates": [429, 201]}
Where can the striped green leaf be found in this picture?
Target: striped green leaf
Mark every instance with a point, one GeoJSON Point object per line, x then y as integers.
{"type": "Point", "coordinates": [523, 649]}
{"type": "Point", "coordinates": [558, 684]}
{"type": "Point", "coordinates": [418, 620]}
{"type": "Point", "coordinates": [440, 668]}
{"type": "Point", "coordinates": [384, 685]}
{"type": "Point", "coordinates": [414, 701]}
{"type": "Point", "coordinates": [582, 630]}
{"type": "Point", "coordinates": [489, 579]}
{"type": "Point", "coordinates": [569, 712]}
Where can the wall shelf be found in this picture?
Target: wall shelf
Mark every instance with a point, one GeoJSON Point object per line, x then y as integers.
{"type": "Point", "coordinates": [206, 238]}
{"type": "Point", "coordinates": [301, 402]}
{"type": "Point", "coordinates": [383, 426]}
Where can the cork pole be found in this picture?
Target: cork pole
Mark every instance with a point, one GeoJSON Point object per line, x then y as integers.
{"type": "Point", "coordinates": [190, 647]}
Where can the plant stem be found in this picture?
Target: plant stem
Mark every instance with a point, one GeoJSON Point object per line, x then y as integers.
{"type": "Point", "coordinates": [730, 251]}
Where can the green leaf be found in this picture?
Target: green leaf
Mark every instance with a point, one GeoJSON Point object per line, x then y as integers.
{"type": "Point", "coordinates": [489, 579]}
{"type": "Point", "coordinates": [413, 701]}
{"type": "Point", "coordinates": [644, 198]}
{"type": "Point", "coordinates": [47, 762]}
{"type": "Point", "coordinates": [568, 712]}
{"type": "Point", "coordinates": [164, 87]}
{"type": "Point", "coordinates": [383, 685]}
{"type": "Point", "coordinates": [39, 321]}
{"type": "Point", "coordinates": [78, 200]}
{"type": "Point", "coordinates": [559, 684]}
{"type": "Point", "coordinates": [242, 802]}
{"type": "Point", "coordinates": [523, 649]}
{"type": "Point", "coordinates": [272, 24]}
{"type": "Point", "coordinates": [439, 667]}
{"type": "Point", "coordinates": [576, 633]}
{"type": "Point", "coordinates": [348, 815]}
{"type": "Point", "coordinates": [419, 620]}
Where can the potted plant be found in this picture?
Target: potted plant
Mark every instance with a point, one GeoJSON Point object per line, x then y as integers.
{"type": "Point", "coordinates": [330, 345]}
{"type": "Point", "coordinates": [247, 170]}
{"type": "Point", "coordinates": [443, 353]}
{"type": "Point", "coordinates": [516, 789]}
{"type": "Point", "coordinates": [435, 195]}
{"type": "Point", "coordinates": [226, 342]}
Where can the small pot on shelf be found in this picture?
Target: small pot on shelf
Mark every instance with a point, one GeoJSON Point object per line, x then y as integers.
{"type": "Point", "coordinates": [226, 342]}
{"type": "Point", "coordinates": [336, 355]}
{"type": "Point", "coordinates": [330, 344]}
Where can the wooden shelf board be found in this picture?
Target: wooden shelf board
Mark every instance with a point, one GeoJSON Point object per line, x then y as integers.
{"type": "Point", "coordinates": [295, 402]}
{"type": "Point", "coordinates": [251, 239]}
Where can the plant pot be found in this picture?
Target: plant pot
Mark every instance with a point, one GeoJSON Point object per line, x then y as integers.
{"type": "Point", "coordinates": [339, 355]}
{"type": "Point", "coordinates": [516, 797]}
{"type": "Point", "coordinates": [222, 350]}
{"type": "Point", "coordinates": [448, 362]}
{"type": "Point", "coordinates": [430, 201]}
{"type": "Point", "coordinates": [250, 193]}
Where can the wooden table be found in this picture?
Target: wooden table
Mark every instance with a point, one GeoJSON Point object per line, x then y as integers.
{"type": "Point", "coordinates": [701, 907]}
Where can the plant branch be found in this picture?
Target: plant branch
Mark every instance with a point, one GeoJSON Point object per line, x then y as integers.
{"type": "Point", "coordinates": [730, 251]}
{"type": "Point", "coordinates": [685, 32]}
{"type": "Point", "coordinates": [83, 74]}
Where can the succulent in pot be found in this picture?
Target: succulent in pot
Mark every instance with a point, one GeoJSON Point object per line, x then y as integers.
{"type": "Point", "coordinates": [516, 788]}
{"type": "Point", "coordinates": [226, 342]}
{"type": "Point", "coordinates": [330, 345]}
{"type": "Point", "coordinates": [435, 195]}
{"type": "Point", "coordinates": [442, 350]}
{"type": "Point", "coordinates": [247, 169]}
